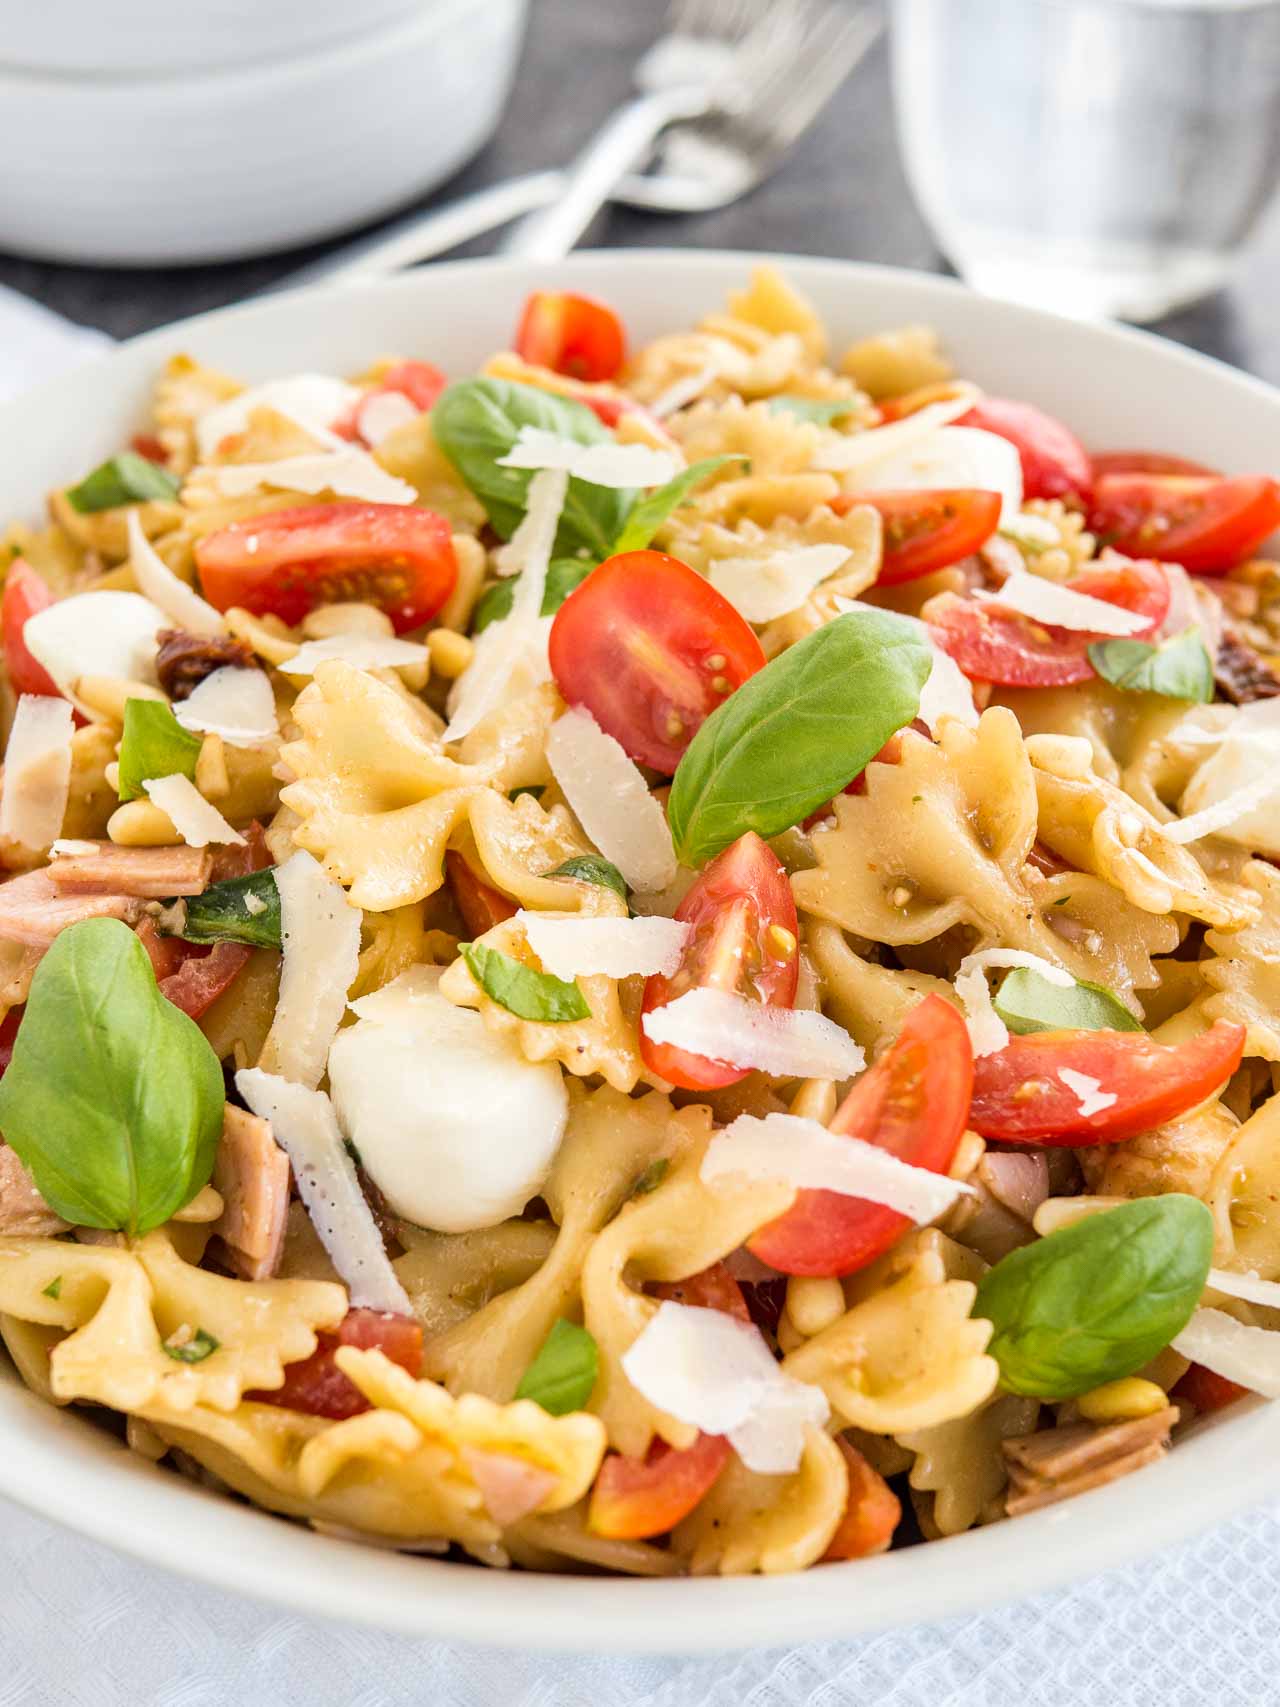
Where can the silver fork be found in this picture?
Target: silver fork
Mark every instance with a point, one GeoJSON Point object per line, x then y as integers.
{"type": "Point", "coordinates": [701, 163]}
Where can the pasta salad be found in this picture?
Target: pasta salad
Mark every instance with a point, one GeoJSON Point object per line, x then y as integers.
{"type": "Point", "coordinates": [657, 960]}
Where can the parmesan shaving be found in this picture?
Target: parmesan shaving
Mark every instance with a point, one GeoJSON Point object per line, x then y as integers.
{"type": "Point", "coordinates": [611, 801]}
{"type": "Point", "coordinates": [707, 1369]}
{"type": "Point", "coordinates": [233, 702]}
{"type": "Point", "coordinates": [195, 820]}
{"type": "Point", "coordinates": [104, 633]}
{"type": "Point", "coordinates": [723, 1027]}
{"type": "Point", "coordinates": [987, 1031]}
{"type": "Point", "coordinates": [599, 465]}
{"type": "Point", "coordinates": [1088, 1091]}
{"type": "Point", "coordinates": [862, 450]}
{"type": "Point", "coordinates": [305, 1127]}
{"type": "Point", "coordinates": [159, 583]}
{"type": "Point", "coordinates": [37, 771]}
{"type": "Point", "coordinates": [1222, 813]}
{"type": "Point", "coordinates": [1250, 1287]}
{"type": "Point", "coordinates": [613, 948]}
{"type": "Point", "coordinates": [361, 651]}
{"type": "Point", "coordinates": [762, 588]}
{"type": "Point", "coordinates": [320, 934]}
{"type": "Point", "coordinates": [682, 392]}
{"type": "Point", "coordinates": [383, 414]}
{"type": "Point", "coordinates": [347, 473]}
{"type": "Point", "coordinates": [1247, 1355]}
{"type": "Point", "coordinates": [805, 1154]}
{"type": "Point", "coordinates": [1058, 606]}
{"type": "Point", "coordinates": [312, 401]}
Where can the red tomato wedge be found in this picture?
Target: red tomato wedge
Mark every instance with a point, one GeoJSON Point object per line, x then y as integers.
{"type": "Point", "coordinates": [744, 940]}
{"type": "Point", "coordinates": [1054, 462]}
{"type": "Point", "coordinates": [872, 1511]}
{"type": "Point", "coordinates": [992, 644]}
{"type": "Point", "coordinates": [418, 381]}
{"type": "Point", "coordinates": [1105, 462]}
{"type": "Point", "coordinates": [319, 1388]}
{"type": "Point", "coordinates": [650, 649]}
{"type": "Point", "coordinates": [25, 593]}
{"type": "Point", "coordinates": [1018, 1096]}
{"type": "Point", "coordinates": [571, 334]}
{"type": "Point", "coordinates": [288, 562]}
{"type": "Point", "coordinates": [1206, 524]}
{"type": "Point", "coordinates": [924, 531]}
{"type": "Point", "coordinates": [203, 974]}
{"type": "Point", "coordinates": [9, 1035]}
{"type": "Point", "coordinates": [148, 445]}
{"type": "Point", "coordinates": [1206, 1391]}
{"type": "Point", "coordinates": [481, 905]}
{"type": "Point", "coordinates": [711, 1288]}
{"type": "Point", "coordinates": [914, 1103]}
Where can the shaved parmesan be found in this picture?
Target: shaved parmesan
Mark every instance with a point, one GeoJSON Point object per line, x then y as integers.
{"type": "Point", "coordinates": [37, 771]}
{"type": "Point", "coordinates": [320, 933]}
{"type": "Point", "coordinates": [1050, 602]}
{"type": "Point", "coordinates": [312, 401]}
{"type": "Point", "coordinates": [805, 1154]}
{"type": "Point", "coordinates": [600, 465]}
{"type": "Point", "coordinates": [348, 473]}
{"type": "Point", "coordinates": [1247, 1355]}
{"type": "Point", "coordinates": [789, 1042]}
{"type": "Point", "coordinates": [181, 603]}
{"type": "Point", "coordinates": [1088, 1091]}
{"type": "Point", "coordinates": [987, 1031]}
{"type": "Point", "coordinates": [866, 449]}
{"type": "Point", "coordinates": [611, 800]}
{"type": "Point", "coordinates": [383, 414]}
{"type": "Point", "coordinates": [709, 1370]}
{"type": "Point", "coordinates": [947, 692]}
{"type": "Point", "coordinates": [96, 634]}
{"type": "Point", "coordinates": [762, 588]}
{"type": "Point", "coordinates": [614, 948]}
{"type": "Point", "coordinates": [483, 683]}
{"type": "Point", "coordinates": [232, 702]}
{"type": "Point", "coordinates": [1250, 1287]}
{"type": "Point", "coordinates": [1249, 760]}
{"type": "Point", "coordinates": [683, 391]}
{"type": "Point", "coordinates": [195, 820]}
{"type": "Point", "coordinates": [952, 457]}
{"type": "Point", "coordinates": [305, 1127]}
{"type": "Point", "coordinates": [362, 651]}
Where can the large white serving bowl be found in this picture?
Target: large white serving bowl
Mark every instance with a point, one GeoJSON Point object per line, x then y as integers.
{"type": "Point", "coordinates": [1116, 388]}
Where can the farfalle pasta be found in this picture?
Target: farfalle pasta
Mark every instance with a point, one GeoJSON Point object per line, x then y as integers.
{"type": "Point", "coordinates": [721, 908]}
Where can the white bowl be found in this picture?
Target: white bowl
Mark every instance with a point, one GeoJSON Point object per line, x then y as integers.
{"type": "Point", "coordinates": [1116, 388]}
{"type": "Point", "coordinates": [207, 164]}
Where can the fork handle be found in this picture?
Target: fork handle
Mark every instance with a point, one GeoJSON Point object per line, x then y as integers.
{"type": "Point", "coordinates": [622, 143]}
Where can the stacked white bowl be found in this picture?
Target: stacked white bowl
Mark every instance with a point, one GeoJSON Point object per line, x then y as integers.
{"type": "Point", "coordinates": [149, 132]}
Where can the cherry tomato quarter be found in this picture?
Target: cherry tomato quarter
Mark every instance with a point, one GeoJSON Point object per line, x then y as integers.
{"type": "Point", "coordinates": [1054, 462]}
{"type": "Point", "coordinates": [25, 593]}
{"type": "Point", "coordinates": [924, 531]}
{"type": "Point", "coordinates": [571, 334]}
{"type": "Point", "coordinates": [1207, 525]}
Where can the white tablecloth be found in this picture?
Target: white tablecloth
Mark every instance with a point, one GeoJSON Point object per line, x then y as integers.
{"type": "Point", "coordinates": [82, 1625]}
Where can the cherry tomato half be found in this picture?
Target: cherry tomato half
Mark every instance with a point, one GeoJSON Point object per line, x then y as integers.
{"type": "Point", "coordinates": [914, 1103]}
{"type": "Point", "coordinates": [1020, 1098]}
{"type": "Point", "coordinates": [650, 649]}
{"type": "Point", "coordinates": [744, 940]}
{"type": "Point", "coordinates": [25, 593]}
{"type": "Point", "coordinates": [872, 1511]}
{"type": "Point", "coordinates": [481, 905]}
{"type": "Point", "coordinates": [571, 334]}
{"type": "Point", "coordinates": [316, 1385]}
{"type": "Point", "coordinates": [1054, 462]}
{"type": "Point", "coordinates": [1206, 1391]}
{"type": "Point", "coordinates": [288, 562]}
{"type": "Point", "coordinates": [9, 1035]}
{"type": "Point", "coordinates": [418, 381]}
{"type": "Point", "coordinates": [992, 644]}
{"type": "Point", "coordinates": [924, 531]}
{"type": "Point", "coordinates": [1205, 524]}
{"type": "Point", "coordinates": [1105, 462]}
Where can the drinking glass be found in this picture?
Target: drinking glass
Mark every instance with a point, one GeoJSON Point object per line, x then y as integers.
{"type": "Point", "coordinates": [1105, 158]}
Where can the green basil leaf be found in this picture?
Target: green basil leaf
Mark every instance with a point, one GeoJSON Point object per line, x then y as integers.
{"type": "Point", "coordinates": [1095, 1301]}
{"type": "Point", "coordinates": [519, 989]}
{"type": "Point", "coordinates": [563, 575]}
{"type": "Point", "coordinates": [124, 479]}
{"type": "Point", "coordinates": [1026, 1001]}
{"type": "Point", "coordinates": [561, 1376]}
{"type": "Point", "coordinates": [652, 1177]}
{"type": "Point", "coordinates": [154, 744]}
{"type": "Point", "coordinates": [650, 513]}
{"type": "Point", "coordinates": [241, 909]}
{"type": "Point", "coordinates": [819, 409]}
{"type": "Point", "coordinates": [53, 1289]}
{"type": "Point", "coordinates": [1180, 668]}
{"type": "Point", "coordinates": [593, 868]}
{"type": "Point", "coordinates": [113, 1099]}
{"type": "Point", "coordinates": [194, 1350]}
{"type": "Point", "coordinates": [477, 421]}
{"type": "Point", "coordinates": [796, 732]}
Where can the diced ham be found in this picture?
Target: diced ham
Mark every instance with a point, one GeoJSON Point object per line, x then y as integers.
{"type": "Point", "coordinates": [251, 1174]}
{"type": "Point", "coordinates": [23, 1212]}
{"type": "Point", "coordinates": [1055, 1463]}
{"type": "Point", "coordinates": [153, 873]}
{"type": "Point", "coordinates": [33, 909]}
{"type": "Point", "coordinates": [510, 1487]}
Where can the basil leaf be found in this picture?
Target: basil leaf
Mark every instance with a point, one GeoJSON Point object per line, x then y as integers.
{"type": "Point", "coordinates": [241, 909]}
{"type": "Point", "coordinates": [563, 575]}
{"type": "Point", "coordinates": [593, 868]}
{"type": "Point", "coordinates": [561, 1376]}
{"type": "Point", "coordinates": [1026, 1001]}
{"type": "Point", "coordinates": [1097, 1300]}
{"type": "Point", "coordinates": [650, 513]}
{"type": "Point", "coordinates": [53, 1289]}
{"type": "Point", "coordinates": [194, 1350]}
{"type": "Point", "coordinates": [796, 732]}
{"type": "Point", "coordinates": [124, 479]}
{"type": "Point", "coordinates": [519, 989]}
{"type": "Point", "coordinates": [477, 421]}
{"type": "Point", "coordinates": [1180, 668]}
{"type": "Point", "coordinates": [154, 744]}
{"type": "Point", "coordinates": [652, 1177]}
{"type": "Point", "coordinates": [821, 410]}
{"type": "Point", "coordinates": [113, 1098]}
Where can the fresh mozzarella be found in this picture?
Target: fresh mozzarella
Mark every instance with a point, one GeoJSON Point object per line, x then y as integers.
{"type": "Point", "coordinates": [453, 1125]}
{"type": "Point", "coordinates": [987, 1031]}
{"type": "Point", "coordinates": [349, 473]}
{"type": "Point", "coordinates": [37, 771]}
{"type": "Point", "coordinates": [762, 588]}
{"type": "Point", "coordinates": [611, 800]}
{"type": "Point", "coordinates": [320, 935]}
{"type": "Point", "coordinates": [725, 1027]}
{"type": "Point", "coordinates": [1234, 1350]}
{"type": "Point", "coordinates": [615, 948]}
{"type": "Point", "coordinates": [706, 1368]}
{"type": "Point", "coordinates": [195, 820]}
{"type": "Point", "coordinates": [96, 634]}
{"type": "Point", "coordinates": [864, 451]}
{"type": "Point", "coordinates": [1088, 1091]}
{"type": "Point", "coordinates": [1235, 793]}
{"type": "Point", "coordinates": [232, 702]}
{"type": "Point", "coordinates": [362, 651]}
{"type": "Point", "coordinates": [312, 401]}
{"type": "Point", "coordinates": [950, 457]}
{"type": "Point", "coordinates": [599, 465]}
{"type": "Point", "coordinates": [1060, 607]}
{"type": "Point", "coordinates": [158, 582]}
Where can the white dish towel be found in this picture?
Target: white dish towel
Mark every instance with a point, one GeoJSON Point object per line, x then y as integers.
{"type": "Point", "coordinates": [1196, 1627]}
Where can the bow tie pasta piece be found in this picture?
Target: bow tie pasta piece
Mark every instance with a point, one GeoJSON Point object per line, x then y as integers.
{"type": "Point", "coordinates": [411, 453]}
{"type": "Point", "coordinates": [609, 1142]}
{"type": "Point", "coordinates": [185, 391]}
{"type": "Point", "coordinates": [959, 1473]}
{"type": "Point", "coordinates": [1244, 1195]}
{"type": "Point", "coordinates": [393, 942]}
{"type": "Point", "coordinates": [544, 1542]}
{"type": "Point", "coordinates": [449, 1277]}
{"type": "Point", "coordinates": [1244, 971]}
{"type": "Point", "coordinates": [702, 543]}
{"type": "Point", "coordinates": [774, 442]}
{"type": "Point", "coordinates": [871, 1002]}
{"type": "Point", "coordinates": [1179, 1156]}
{"type": "Point", "coordinates": [519, 841]}
{"type": "Point", "coordinates": [774, 305]}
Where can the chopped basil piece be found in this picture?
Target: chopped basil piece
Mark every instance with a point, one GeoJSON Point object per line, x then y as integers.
{"type": "Point", "coordinates": [1026, 1001]}
{"type": "Point", "coordinates": [652, 1177]}
{"type": "Point", "coordinates": [124, 479]}
{"type": "Point", "coordinates": [564, 574]}
{"type": "Point", "coordinates": [154, 744]}
{"type": "Point", "coordinates": [561, 1376]}
{"type": "Point", "coordinates": [820, 409]}
{"type": "Point", "coordinates": [53, 1289]}
{"type": "Point", "coordinates": [519, 989]}
{"type": "Point", "coordinates": [593, 868]}
{"type": "Point", "coordinates": [241, 909]}
{"type": "Point", "coordinates": [650, 513]}
{"type": "Point", "coordinates": [1180, 668]}
{"type": "Point", "coordinates": [193, 1350]}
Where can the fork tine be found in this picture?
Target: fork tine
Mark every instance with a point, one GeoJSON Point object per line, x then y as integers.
{"type": "Point", "coordinates": [800, 74]}
{"type": "Point", "coordinates": [722, 20]}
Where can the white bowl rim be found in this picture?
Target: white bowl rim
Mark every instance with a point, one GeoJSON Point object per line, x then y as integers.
{"type": "Point", "coordinates": [1226, 1463]}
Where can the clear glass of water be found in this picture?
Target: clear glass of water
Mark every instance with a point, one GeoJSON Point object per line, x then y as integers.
{"type": "Point", "coordinates": [1104, 158]}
